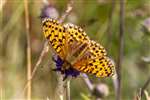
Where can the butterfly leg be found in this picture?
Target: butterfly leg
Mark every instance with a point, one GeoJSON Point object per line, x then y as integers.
{"type": "Point", "coordinates": [55, 69]}
{"type": "Point", "coordinates": [54, 59]}
{"type": "Point", "coordinates": [58, 70]}
{"type": "Point", "coordinates": [65, 77]}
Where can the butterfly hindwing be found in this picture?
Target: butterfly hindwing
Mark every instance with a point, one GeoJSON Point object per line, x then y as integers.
{"type": "Point", "coordinates": [101, 67]}
{"type": "Point", "coordinates": [94, 61]}
{"type": "Point", "coordinates": [96, 49]}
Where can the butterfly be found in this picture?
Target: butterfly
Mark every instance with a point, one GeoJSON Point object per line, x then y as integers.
{"type": "Point", "coordinates": [74, 51]}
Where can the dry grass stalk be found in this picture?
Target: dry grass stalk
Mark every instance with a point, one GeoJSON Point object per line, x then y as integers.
{"type": "Point", "coordinates": [28, 49]}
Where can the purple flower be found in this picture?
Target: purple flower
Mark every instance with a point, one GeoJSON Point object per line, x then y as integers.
{"type": "Point", "coordinates": [67, 72]}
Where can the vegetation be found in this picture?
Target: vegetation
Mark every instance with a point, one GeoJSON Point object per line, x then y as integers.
{"type": "Point", "coordinates": [21, 27]}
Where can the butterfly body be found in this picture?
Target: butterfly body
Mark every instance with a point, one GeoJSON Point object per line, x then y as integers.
{"type": "Point", "coordinates": [75, 52]}
{"type": "Point", "coordinates": [65, 68]}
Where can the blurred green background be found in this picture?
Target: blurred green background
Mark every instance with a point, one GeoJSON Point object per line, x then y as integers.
{"type": "Point", "coordinates": [100, 20]}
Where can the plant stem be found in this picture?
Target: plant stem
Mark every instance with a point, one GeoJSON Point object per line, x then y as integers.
{"type": "Point", "coordinates": [28, 49]}
{"type": "Point", "coordinates": [121, 44]}
{"type": "Point", "coordinates": [43, 53]}
{"type": "Point", "coordinates": [68, 90]}
{"type": "Point", "coordinates": [88, 82]}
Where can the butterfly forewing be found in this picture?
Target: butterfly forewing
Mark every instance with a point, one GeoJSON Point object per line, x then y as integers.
{"type": "Point", "coordinates": [77, 33]}
{"type": "Point", "coordinates": [77, 41]}
{"type": "Point", "coordinates": [66, 40]}
{"type": "Point", "coordinates": [55, 33]}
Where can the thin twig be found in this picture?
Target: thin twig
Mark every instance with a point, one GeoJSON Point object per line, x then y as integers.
{"type": "Point", "coordinates": [145, 86]}
{"type": "Point", "coordinates": [68, 10]}
{"type": "Point", "coordinates": [121, 44]}
{"type": "Point", "coordinates": [43, 53]}
{"type": "Point", "coordinates": [28, 49]}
